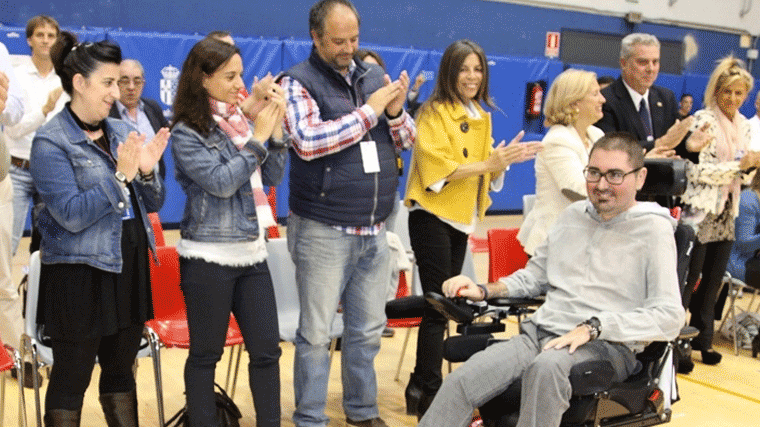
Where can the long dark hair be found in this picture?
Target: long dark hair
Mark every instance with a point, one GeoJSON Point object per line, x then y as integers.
{"type": "Point", "coordinates": [71, 58]}
{"type": "Point", "coordinates": [191, 104]}
{"type": "Point", "coordinates": [448, 73]}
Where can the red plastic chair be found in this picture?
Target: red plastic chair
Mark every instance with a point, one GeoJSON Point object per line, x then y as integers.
{"type": "Point", "coordinates": [169, 326]}
{"type": "Point", "coordinates": [6, 364]}
{"type": "Point", "coordinates": [158, 229]}
{"type": "Point", "coordinates": [505, 253]}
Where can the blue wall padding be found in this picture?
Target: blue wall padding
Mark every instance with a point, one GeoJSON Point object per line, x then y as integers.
{"type": "Point", "coordinates": [162, 55]}
{"type": "Point", "coordinates": [14, 38]}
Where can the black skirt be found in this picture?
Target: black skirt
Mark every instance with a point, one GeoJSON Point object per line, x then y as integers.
{"type": "Point", "coordinates": [78, 302]}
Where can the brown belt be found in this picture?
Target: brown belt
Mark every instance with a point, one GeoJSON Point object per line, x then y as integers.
{"type": "Point", "coordinates": [20, 163]}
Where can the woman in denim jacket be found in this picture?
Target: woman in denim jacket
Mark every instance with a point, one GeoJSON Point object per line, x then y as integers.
{"type": "Point", "coordinates": [96, 179]}
{"type": "Point", "coordinates": [220, 163]}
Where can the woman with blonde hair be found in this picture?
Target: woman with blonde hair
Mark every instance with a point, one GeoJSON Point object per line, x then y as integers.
{"type": "Point", "coordinates": [712, 193]}
{"type": "Point", "coordinates": [573, 105]}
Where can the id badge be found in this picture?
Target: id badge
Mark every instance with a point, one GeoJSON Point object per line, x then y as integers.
{"type": "Point", "coordinates": [128, 214]}
{"type": "Point", "coordinates": [370, 159]}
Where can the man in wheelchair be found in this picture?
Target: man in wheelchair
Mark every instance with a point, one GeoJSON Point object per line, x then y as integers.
{"type": "Point", "coordinates": [608, 271]}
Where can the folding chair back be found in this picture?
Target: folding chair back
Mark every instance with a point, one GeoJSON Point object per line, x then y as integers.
{"type": "Point", "coordinates": [505, 253]}
{"type": "Point", "coordinates": [164, 278]}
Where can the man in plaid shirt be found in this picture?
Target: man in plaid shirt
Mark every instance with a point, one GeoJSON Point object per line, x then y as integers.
{"type": "Point", "coordinates": [347, 120]}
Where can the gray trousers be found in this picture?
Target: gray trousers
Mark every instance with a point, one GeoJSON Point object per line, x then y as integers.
{"type": "Point", "coordinates": [545, 375]}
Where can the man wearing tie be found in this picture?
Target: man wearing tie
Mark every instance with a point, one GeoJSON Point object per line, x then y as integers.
{"type": "Point", "coordinates": [634, 104]}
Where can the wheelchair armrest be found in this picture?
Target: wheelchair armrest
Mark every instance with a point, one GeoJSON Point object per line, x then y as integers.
{"type": "Point", "coordinates": [518, 303]}
{"type": "Point", "coordinates": [688, 333]}
{"type": "Point", "coordinates": [591, 377]}
{"type": "Point", "coordinates": [453, 309]}
{"type": "Point", "coordinates": [459, 348]}
{"type": "Point", "coordinates": [405, 308]}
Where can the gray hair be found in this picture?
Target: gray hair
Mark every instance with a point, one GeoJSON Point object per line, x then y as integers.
{"type": "Point", "coordinates": [135, 63]}
{"type": "Point", "coordinates": [631, 40]}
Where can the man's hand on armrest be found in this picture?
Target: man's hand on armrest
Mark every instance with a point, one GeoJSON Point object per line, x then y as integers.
{"type": "Point", "coordinates": [463, 286]}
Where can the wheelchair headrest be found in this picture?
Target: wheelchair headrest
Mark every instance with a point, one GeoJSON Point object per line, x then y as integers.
{"type": "Point", "coordinates": [665, 177]}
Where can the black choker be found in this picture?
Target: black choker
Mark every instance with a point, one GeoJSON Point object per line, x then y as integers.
{"type": "Point", "coordinates": [85, 126]}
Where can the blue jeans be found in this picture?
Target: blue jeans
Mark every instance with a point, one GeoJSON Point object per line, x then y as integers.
{"type": "Point", "coordinates": [23, 191]}
{"type": "Point", "coordinates": [334, 267]}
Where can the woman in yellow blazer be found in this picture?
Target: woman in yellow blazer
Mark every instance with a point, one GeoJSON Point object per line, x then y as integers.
{"type": "Point", "coordinates": [454, 165]}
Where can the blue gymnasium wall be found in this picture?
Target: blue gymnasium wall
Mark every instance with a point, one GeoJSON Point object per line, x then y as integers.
{"type": "Point", "coordinates": [409, 35]}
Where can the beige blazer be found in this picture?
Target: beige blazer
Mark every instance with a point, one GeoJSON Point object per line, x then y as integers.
{"type": "Point", "coordinates": [559, 166]}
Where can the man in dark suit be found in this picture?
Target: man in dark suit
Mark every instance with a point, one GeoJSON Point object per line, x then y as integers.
{"type": "Point", "coordinates": [143, 114]}
{"type": "Point", "coordinates": [634, 104]}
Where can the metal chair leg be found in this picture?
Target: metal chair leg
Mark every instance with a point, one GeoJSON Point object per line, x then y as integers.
{"type": "Point", "coordinates": [229, 370]}
{"type": "Point", "coordinates": [19, 362]}
{"type": "Point", "coordinates": [2, 398]}
{"type": "Point", "coordinates": [403, 353]}
{"type": "Point", "coordinates": [241, 347]}
{"type": "Point", "coordinates": [231, 382]}
{"type": "Point", "coordinates": [732, 291]}
{"type": "Point", "coordinates": [155, 353]}
{"type": "Point", "coordinates": [36, 383]}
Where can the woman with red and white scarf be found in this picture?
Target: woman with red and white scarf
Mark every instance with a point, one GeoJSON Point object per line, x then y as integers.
{"type": "Point", "coordinates": [712, 193]}
{"type": "Point", "coordinates": [222, 162]}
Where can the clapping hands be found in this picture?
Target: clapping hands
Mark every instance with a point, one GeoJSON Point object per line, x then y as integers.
{"type": "Point", "coordinates": [134, 155]}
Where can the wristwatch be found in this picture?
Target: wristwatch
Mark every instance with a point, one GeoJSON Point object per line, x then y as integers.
{"type": "Point", "coordinates": [594, 326]}
{"type": "Point", "coordinates": [121, 177]}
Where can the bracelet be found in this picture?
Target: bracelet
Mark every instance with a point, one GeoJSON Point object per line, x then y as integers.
{"type": "Point", "coordinates": [485, 291]}
{"type": "Point", "coordinates": [147, 176]}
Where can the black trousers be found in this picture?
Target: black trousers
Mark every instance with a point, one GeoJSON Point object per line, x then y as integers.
{"type": "Point", "coordinates": [74, 361]}
{"type": "Point", "coordinates": [709, 259]}
{"type": "Point", "coordinates": [440, 250]}
{"type": "Point", "coordinates": [211, 292]}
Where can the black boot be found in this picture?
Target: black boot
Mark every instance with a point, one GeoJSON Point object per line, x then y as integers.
{"type": "Point", "coordinates": [413, 396]}
{"type": "Point", "coordinates": [120, 409]}
{"type": "Point", "coordinates": [756, 345]}
{"type": "Point", "coordinates": [62, 418]}
{"type": "Point", "coordinates": [425, 402]}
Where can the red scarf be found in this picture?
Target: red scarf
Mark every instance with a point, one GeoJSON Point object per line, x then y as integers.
{"type": "Point", "coordinates": [232, 121]}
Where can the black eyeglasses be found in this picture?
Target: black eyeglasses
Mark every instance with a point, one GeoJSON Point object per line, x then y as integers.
{"type": "Point", "coordinates": [137, 81]}
{"type": "Point", "coordinates": [613, 176]}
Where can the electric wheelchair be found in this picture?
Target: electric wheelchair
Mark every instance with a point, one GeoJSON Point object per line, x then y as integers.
{"type": "Point", "coordinates": [643, 399]}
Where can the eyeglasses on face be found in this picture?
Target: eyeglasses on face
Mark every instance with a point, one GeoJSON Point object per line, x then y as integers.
{"type": "Point", "coordinates": [137, 81]}
{"type": "Point", "coordinates": [613, 176]}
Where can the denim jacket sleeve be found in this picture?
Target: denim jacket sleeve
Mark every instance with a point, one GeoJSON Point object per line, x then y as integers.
{"type": "Point", "coordinates": [59, 177]}
{"type": "Point", "coordinates": [153, 192]}
{"type": "Point", "coordinates": [273, 168]}
{"type": "Point", "coordinates": [210, 163]}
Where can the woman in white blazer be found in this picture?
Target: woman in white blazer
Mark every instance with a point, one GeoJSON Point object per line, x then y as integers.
{"type": "Point", "coordinates": [573, 105]}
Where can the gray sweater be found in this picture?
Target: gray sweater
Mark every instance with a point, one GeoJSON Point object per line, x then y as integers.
{"type": "Point", "coordinates": [623, 271]}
